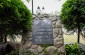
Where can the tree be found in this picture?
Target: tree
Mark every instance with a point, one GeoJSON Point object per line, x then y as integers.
{"type": "Point", "coordinates": [73, 15]}
{"type": "Point", "coordinates": [15, 18]}
{"type": "Point", "coordinates": [28, 1]}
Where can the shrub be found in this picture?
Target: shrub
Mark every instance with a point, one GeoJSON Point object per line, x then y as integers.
{"type": "Point", "coordinates": [73, 49]}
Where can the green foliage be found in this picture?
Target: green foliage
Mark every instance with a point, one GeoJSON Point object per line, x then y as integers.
{"type": "Point", "coordinates": [28, 1]}
{"type": "Point", "coordinates": [29, 53]}
{"type": "Point", "coordinates": [15, 17]}
{"type": "Point", "coordinates": [16, 52]}
{"type": "Point", "coordinates": [73, 13]}
{"type": "Point", "coordinates": [73, 49]}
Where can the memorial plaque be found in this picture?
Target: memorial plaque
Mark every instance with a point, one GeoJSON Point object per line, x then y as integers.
{"type": "Point", "coordinates": [42, 32]}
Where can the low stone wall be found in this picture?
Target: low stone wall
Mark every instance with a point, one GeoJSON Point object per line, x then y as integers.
{"type": "Point", "coordinates": [56, 49]}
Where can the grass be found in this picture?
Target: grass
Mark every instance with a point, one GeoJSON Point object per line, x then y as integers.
{"type": "Point", "coordinates": [73, 39]}
{"type": "Point", "coordinates": [70, 38]}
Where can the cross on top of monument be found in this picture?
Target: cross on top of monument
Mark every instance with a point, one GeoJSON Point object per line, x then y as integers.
{"type": "Point", "coordinates": [38, 7]}
{"type": "Point", "coordinates": [43, 8]}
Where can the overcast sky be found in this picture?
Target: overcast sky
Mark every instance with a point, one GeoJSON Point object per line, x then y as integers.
{"type": "Point", "coordinates": [49, 5]}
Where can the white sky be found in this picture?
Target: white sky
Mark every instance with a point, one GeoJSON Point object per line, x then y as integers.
{"type": "Point", "coordinates": [50, 5]}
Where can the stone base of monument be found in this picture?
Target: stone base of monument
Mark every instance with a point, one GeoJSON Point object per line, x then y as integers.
{"type": "Point", "coordinates": [38, 49]}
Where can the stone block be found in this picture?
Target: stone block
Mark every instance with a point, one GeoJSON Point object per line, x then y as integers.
{"type": "Point", "coordinates": [54, 35]}
{"type": "Point", "coordinates": [50, 50]}
{"type": "Point", "coordinates": [34, 51]}
{"type": "Point", "coordinates": [58, 25]}
{"type": "Point", "coordinates": [60, 36]}
{"type": "Point", "coordinates": [54, 23]}
{"type": "Point", "coordinates": [40, 49]}
{"type": "Point", "coordinates": [41, 53]}
{"type": "Point", "coordinates": [54, 19]}
{"type": "Point", "coordinates": [59, 45]}
{"type": "Point", "coordinates": [61, 50]}
{"type": "Point", "coordinates": [34, 46]}
{"type": "Point", "coordinates": [54, 26]}
{"type": "Point", "coordinates": [27, 45]}
{"type": "Point", "coordinates": [56, 31]}
{"type": "Point", "coordinates": [60, 31]}
{"type": "Point", "coordinates": [58, 40]}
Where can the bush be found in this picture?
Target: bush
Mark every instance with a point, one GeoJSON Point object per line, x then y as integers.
{"type": "Point", "coordinates": [73, 49]}
{"type": "Point", "coordinates": [16, 52]}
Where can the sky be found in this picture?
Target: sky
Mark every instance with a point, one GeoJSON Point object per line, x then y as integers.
{"type": "Point", "coordinates": [50, 5]}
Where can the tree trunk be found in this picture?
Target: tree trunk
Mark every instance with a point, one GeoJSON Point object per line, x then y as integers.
{"type": "Point", "coordinates": [79, 30]}
{"type": "Point", "coordinates": [5, 39]}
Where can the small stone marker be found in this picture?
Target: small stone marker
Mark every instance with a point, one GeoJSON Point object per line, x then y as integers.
{"type": "Point", "coordinates": [42, 31]}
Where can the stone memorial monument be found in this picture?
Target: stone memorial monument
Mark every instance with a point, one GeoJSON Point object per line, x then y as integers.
{"type": "Point", "coordinates": [46, 29]}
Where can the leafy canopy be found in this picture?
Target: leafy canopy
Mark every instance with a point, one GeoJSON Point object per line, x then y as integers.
{"type": "Point", "coordinates": [73, 13]}
{"type": "Point", "coordinates": [15, 17]}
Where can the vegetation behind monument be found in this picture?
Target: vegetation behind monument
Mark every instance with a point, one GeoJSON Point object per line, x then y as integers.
{"type": "Point", "coordinates": [73, 15]}
{"type": "Point", "coordinates": [15, 18]}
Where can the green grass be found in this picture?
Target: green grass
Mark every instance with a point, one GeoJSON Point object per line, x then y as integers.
{"type": "Point", "coordinates": [73, 39]}
{"type": "Point", "coordinates": [70, 38]}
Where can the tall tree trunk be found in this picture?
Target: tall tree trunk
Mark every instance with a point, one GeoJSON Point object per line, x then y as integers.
{"type": "Point", "coordinates": [79, 30]}
{"type": "Point", "coordinates": [5, 39]}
